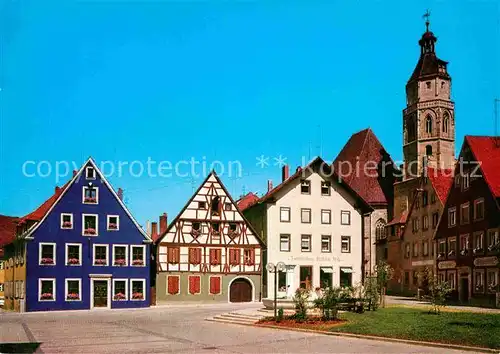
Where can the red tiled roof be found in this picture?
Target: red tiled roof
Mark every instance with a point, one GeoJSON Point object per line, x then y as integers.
{"type": "Point", "coordinates": [40, 212]}
{"type": "Point", "coordinates": [486, 150]}
{"type": "Point", "coordinates": [401, 220]}
{"type": "Point", "coordinates": [7, 229]}
{"type": "Point", "coordinates": [441, 180]}
{"type": "Point", "coordinates": [363, 149]}
{"type": "Point", "coordinates": [246, 201]}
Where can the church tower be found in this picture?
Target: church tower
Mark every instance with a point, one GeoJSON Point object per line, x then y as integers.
{"type": "Point", "coordinates": [429, 116]}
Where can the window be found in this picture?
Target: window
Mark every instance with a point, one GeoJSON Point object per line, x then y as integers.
{"type": "Point", "coordinates": [173, 255]}
{"type": "Point", "coordinates": [46, 289]}
{"type": "Point", "coordinates": [415, 249]}
{"type": "Point", "coordinates": [89, 224]}
{"type": "Point", "coordinates": [325, 277]}
{"type": "Point", "coordinates": [305, 277]}
{"type": "Point", "coordinates": [305, 243]}
{"type": "Point", "coordinates": [47, 254]}
{"type": "Point", "coordinates": [90, 194]}
{"type": "Point", "coordinates": [428, 150]}
{"type": "Point", "coordinates": [425, 248]}
{"type": "Point", "coordinates": [73, 290]}
{"type": "Point", "coordinates": [249, 256]}
{"type": "Point", "coordinates": [325, 188]}
{"type": "Point", "coordinates": [464, 244]}
{"type": "Point", "coordinates": [215, 206]}
{"type": "Point", "coordinates": [451, 280]}
{"type": "Point", "coordinates": [113, 223]}
{"type": "Point", "coordinates": [215, 256]}
{"type": "Point", "coordinates": [493, 240]}
{"type": "Point", "coordinates": [442, 277]}
{"type": "Point", "coordinates": [228, 206]}
{"type": "Point", "coordinates": [282, 286]}
{"type": "Point", "coordinates": [305, 187]}
{"type": "Point", "coordinates": [478, 281]}
{"type": "Point", "coordinates": [305, 215]}
{"type": "Point", "coordinates": [89, 172]}
{"type": "Point", "coordinates": [74, 254]}
{"type": "Point", "coordinates": [234, 257]}
{"type": "Point", "coordinates": [216, 230]}
{"type": "Point", "coordinates": [194, 255]}
{"type": "Point", "coordinates": [428, 85]}
{"type": "Point", "coordinates": [326, 243]}
{"type": "Point", "coordinates": [285, 214]}
{"type": "Point", "coordinates": [100, 255]}
{"type": "Point", "coordinates": [345, 217]}
{"type": "Point", "coordinates": [1, 287]}
{"type": "Point", "coordinates": [452, 217]}
{"type": "Point", "coordinates": [194, 284]}
{"type": "Point", "coordinates": [478, 242]}
{"type": "Point", "coordinates": [415, 278]}
{"type": "Point", "coordinates": [442, 248]}
{"type": "Point", "coordinates": [417, 203]}
{"type": "Point", "coordinates": [138, 256]}
{"type": "Point", "coordinates": [215, 285]}
{"type": "Point", "coordinates": [195, 227]}
{"type": "Point", "coordinates": [138, 287]}
{"type": "Point", "coordinates": [415, 224]}
{"type": "Point", "coordinates": [457, 181]}
{"type": "Point", "coordinates": [492, 280]}
{"type": "Point", "coordinates": [425, 222]}
{"type": "Point", "coordinates": [173, 286]}
{"type": "Point", "coordinates": [479, 209]}
{"type": "Point", "coordinates": [345, 277]}
{"type": "Point", "coordinates": [446, 122]}
{"type": "Point", "coordinates": [120, 255]}
{"type": "Point", "coordinates": [202, 205]}
{"type": "Point", "coordinates": [428, 124]}
{"type": "Point", "coordinates": [464, 213]}
{"type": "Point", "coordinates": [326, 216]}
{"type": "Point", "coordinates": [452, 246]}
{"type": "Point", "coordinates": [120, 289]}
{"type": "Point", "coordinates": [435, 219]}
{"type": "Point", "coordinates": [380, 229]}
{"type": "Point", "coordinates": [425, 198]}
{"type": "Point", "coordinates": [465, 181]}
{"type": "Point", "coordinates": [285, 243]}
{"type": "Point", "coordinates": [345, 244]}
{"type": "Point", "coordinates": [233, 230]}
{"type": "Point", "coordinates": [66, 221]}
{"type": "Point", "coordinates": [407, 278]}
{"type": "Point", "coordinates": [433, 198]}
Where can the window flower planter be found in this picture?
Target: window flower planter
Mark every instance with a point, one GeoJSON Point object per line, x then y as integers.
{"type": "Point", "coordinates": [73, 296]}
{"type": "Point", "coordinates": [67, 225]}
{"type": "Point", "coordinates": [47, 261]}
{"type": "Point", "coordinates": [195, 233]}
{"type": "Point", "coordinates": [119, 297]}
{"type": "Point", "coordinates": [137, 262]}
{"type": "Point", "coordinates": [73, 261]}
{"type": "Point", "coordinates": [113, 226]}
{"type": "Point", "coordinates": [90, 200]}
{"type": "Point", "coordinates": [233, 233]}
{"type": "Point", "coordinates": [119, 262]}
{"type": "Point", "coordinates": [100, 262]}
{"type": "Point", "coordinates": [138, 296]}
{"type": "Point", "coordinates": [89, 231]}
{"type": "Point", "coordinates": [47, 296]}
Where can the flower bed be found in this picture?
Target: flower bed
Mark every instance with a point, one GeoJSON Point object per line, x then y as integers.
{"type": "Point", "coordinates": [311, 322]}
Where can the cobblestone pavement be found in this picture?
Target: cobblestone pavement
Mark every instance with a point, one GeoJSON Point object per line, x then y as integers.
{"type": "Point", "coordinates": [175, 329]}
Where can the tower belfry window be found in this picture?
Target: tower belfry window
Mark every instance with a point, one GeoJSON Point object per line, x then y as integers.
{"type": "Point", "coordinates": [446, 122]}
{"type": "Point", "coordinates": [428, 124]}
{"type": "Point", "coordinates": [428, 150]}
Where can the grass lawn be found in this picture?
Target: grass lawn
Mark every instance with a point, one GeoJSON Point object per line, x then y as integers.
{"type": "Point", "coordinates": [474, 329]}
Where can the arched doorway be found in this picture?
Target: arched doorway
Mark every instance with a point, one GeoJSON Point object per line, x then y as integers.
{"type": "Point", "coordinates": [240, 290]}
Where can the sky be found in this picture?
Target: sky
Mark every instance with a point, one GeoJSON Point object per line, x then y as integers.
{"type": "Point", "coordinates": [219, 81]}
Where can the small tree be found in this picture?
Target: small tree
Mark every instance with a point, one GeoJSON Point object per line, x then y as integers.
{"type": "Point", "coordinates": [371, 293]}
{"type": "Point", "coordinates": [384, 273]}
{"type": "Point", "coordinates": [300, 300]}
{"type": "Point", "coordinates": [438, 293]}
{"type": "Point", "coordinates": [425, 278]}
{"type": "Point", "coordinates": [328, 303]}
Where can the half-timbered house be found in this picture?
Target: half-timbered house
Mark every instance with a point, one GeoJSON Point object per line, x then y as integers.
{"type": "Point", "coordinates": [209, 251]}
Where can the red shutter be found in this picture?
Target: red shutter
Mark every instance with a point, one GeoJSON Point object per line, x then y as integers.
{"type": "Point", "coordinates": [215, 285]}
{"type": "Point", "coordinates": [194, 255]}
{"type": "Point", "coordinates": [234, 256]}
{"type": "Point", "coordinates": [250, 256]}
{"type": "Point", "coordinates": [173, 285]}
{"type": "Point", "coordinates": [215, 256]}
{"type": "Point", "coordinates": [194, 284]}
{"type": "Point", "coordinates": [173, 255]}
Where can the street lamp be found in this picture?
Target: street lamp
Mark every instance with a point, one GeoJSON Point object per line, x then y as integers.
{"type": "Point", "coordinates": [271, 268]}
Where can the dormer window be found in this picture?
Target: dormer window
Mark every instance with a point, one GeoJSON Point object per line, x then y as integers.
{"type": "Point", "coordinates": [202, 205]}
{"type": "Point", "coordinates": [90, 173]}
{"type": "Point", "coordinates": [215, 206]}
{"type": "Point", "coordinates": [90, 194]}
{"type": "Point", "coordinates": [305, 187]}
{"type": "Point", "coordinates": [325, 188]}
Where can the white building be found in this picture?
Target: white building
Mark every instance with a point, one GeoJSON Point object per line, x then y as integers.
{"type": "Point", "coordinates": [312, 223]}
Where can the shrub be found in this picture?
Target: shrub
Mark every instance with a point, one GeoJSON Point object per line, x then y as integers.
{"type": "Point", "coordinates": [280, 315]}
{"type": "Point", "coordinates": [328, 302]}
{"type": "Point", "coordinates": [384, 273]}
{"type": "Point", "coordinates": [438, 293]}
{"type": "Point", "coordinates": [371, 293]}
{"type": "Point", "coordinates": [300, 300]}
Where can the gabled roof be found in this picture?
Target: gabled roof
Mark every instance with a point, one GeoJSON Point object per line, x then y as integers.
{"type": "Point", "coordinates": [7, 229]}
{"type": "Point", "coordinates": [441, 180]}
{"type": "Point", "coordinates": [42, 211]}
{"type": "Point", "coordinates": [399, 220]}
{"type": "Point", "coordinates": [364, 149]}
{"type": "Point", "coordinates": [318, 161]}
{"type": "Point", "coordinates": [486, 150]}
{"type": "Point", "coordinates": [247, 200]}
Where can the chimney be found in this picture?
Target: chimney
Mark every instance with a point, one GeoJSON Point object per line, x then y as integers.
{"type": "Point", "coordinates": [57, 189]}
{"type": "Point", "coordinates": [285, 173]}
{"type": "Point", "coordinates": [120, 194]}
{"type": "Point", "coordinates": [298, 169]}
{"type": "Point", "coordinates": [163, 223]}
{"type": "Point", "coordinates": [74, 173]}
{"type": "Point", "coordinates": [154, 230]}
{"type": "Point", "coordinates": [269, 185]}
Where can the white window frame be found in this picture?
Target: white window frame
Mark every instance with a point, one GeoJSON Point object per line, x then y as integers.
{"type": "Point", "coordinates": [304, 211]}
{"type": "Point", "coordinates": [96, 225]}
{"type": "Point", "coordinates": [329, 186]}
{"type": "Point", "coordinates": [125, 280]}
{"type": "Point", "coordinates": [454, 274]}
{"type": "Point", "coordinates": [450, 211]}
{"type": "Point", "coordinates": [306, 237]}
{"type": "Point", "coordinates": [84, 188]}
{"type": "Point", "coordinates": [79, 280]}
{"type": "Point", "coordinates": [54, 291]}
{"type": "Point", "coordinates": [289, 237]}
{"type": "Point", "coordinates": [483, 280]}
{"type": "Point", "coordinates": [126, 255]}
{"type": "Point", "coordinates": [67, 254]}
{"type": "Point", "coordinates": [345, 213]}
{"type": "Point", "coordinates": [131, 289]}
{"type": "Point", "coordinates": [489, 271]}
{"type": "Point", "coordinates": [87, 169]}
{"type": "Point", "coordinates": [476, 203]}
{"type": "Point", "coordinates": [328, 213]}
{"type": "Point", "coordinates": [348, 240]}
{"type": "Point", "coordinates": [62, 221]}
{"type": "Point", "coordinates": [54, 251]}
{"type": "Point", "coordinates": [462, 207]}
{"type": "Point", "coordinates": [285, 209]}
{"type": "Point", "coordinates": [117, 222]}
{"type": "Point", "coordinates": [93, 254]}
{"type": "Point", "coordinates": [329, 238]}
{"type": "Point", "coordinates": [131, 258]}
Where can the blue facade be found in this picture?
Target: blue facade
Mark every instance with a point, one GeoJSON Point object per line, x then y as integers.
{"type": "Point", "coordinates": [87, 285]}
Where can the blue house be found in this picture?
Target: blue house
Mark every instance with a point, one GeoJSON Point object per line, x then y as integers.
{"type": "Point", "coordinates": [86, 251]}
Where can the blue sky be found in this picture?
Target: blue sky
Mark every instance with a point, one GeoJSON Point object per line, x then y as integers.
{"type": "Point", "coordinates": [221, 80]}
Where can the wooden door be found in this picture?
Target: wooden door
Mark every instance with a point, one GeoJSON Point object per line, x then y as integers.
{"type": "Point", "coordinates": [240, 291]}
{"type": "Point", "coordinates": [100, 293]}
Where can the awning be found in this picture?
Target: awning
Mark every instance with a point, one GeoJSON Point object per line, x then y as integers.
{"type": "Point", "coordinates": [346, 270]}
{"type": "Point", "coordinates": [327, 269]}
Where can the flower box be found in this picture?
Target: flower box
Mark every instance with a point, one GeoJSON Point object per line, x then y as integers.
{"type": "Point", "coordinates": [120, 262]}
{"type": "Point", "coordinates": [137, 296]}
{"type": "Point", "coordinates": [89, 231]}
{"type": "Point", "coordinates": [137, 262]}
{"type": "Point", "coordinates": [73, 296]}
{"type": "Point", "coordinates": [47, 261]}
{"type": "Point", "coordinates": [233, 233]}
{"type": "Point", "coordinates": [100, 262]}
{"type": "Point", "coordinates": [73, 261]}
{"type": "Point", "coordinates": [90, 200]}
{"type": "Point", "coordinates": [47, 296]}
{"type": "Point", "coordinates": [119, 297]}
{"type": "Point", "coordinates": [67, 225]}
{"type": "Point", "coordinates": [195, 233]}
{"type": "Point", "coordinates": [113, 226]}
